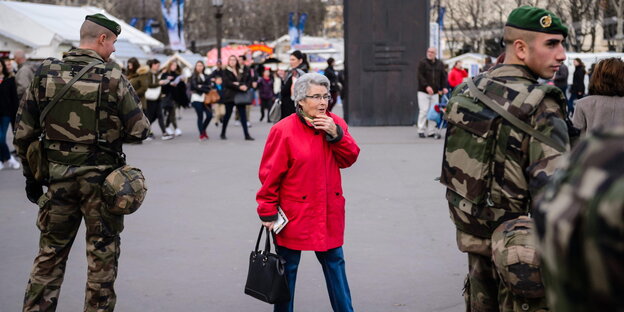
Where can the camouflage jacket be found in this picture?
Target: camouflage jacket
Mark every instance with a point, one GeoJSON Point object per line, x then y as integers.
{"type": "Point", "coordinates": [491, 168]}
{"type": "Point", "coordinates": [91, 121]}
{"type": "Point", "coordinates": [580, 226]}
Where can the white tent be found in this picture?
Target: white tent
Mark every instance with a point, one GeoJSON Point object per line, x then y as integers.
{"type": "Point", "coordinates": [48, 30]}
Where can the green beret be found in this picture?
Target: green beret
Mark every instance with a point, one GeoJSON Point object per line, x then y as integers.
{"type": "Point", "coordinates": [103, 21]}
{"type": "Point", "coordinates": [536, 19]}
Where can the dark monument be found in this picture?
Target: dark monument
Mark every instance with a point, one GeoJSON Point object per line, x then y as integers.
{"type": "Point", "coordinates": [384, 40]}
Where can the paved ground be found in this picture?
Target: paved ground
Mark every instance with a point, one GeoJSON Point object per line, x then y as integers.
{"type": "Point", "coordinates": [187, 248]}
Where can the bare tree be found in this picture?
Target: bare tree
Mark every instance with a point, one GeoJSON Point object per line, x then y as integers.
{"type": "Point", "coordinates": [618, 5]}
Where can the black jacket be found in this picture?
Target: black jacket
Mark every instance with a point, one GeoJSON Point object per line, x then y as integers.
{"type": "Point", "coordinates": [561, 77]}
{"type": "Point", "coordinates": [288, 105]}
{"type": "Point", "coordinates": [199, 85]}
{"type": "Point", "coordinates": [431, 74]}
{"type": "Point", "coordinates": [229, 88]}
{"type": "Point", "coordinates": [8, 98]}
{"type": "Point", "coordinates": [578, 80]}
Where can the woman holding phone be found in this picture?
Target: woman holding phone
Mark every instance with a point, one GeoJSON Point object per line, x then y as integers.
{"type": "Point", "coordinates": [300, 173]}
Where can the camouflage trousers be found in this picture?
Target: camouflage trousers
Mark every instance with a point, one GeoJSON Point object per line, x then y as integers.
{"type": "Point", "coordinates": [484, 291]}
{"type": "Point", "coordinates": [73, 194]}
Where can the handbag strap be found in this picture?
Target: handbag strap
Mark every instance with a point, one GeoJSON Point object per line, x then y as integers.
{"type": "Point", "coordinates": [513, 119]}
{"type": "Point", "coordinates": [64, 90]}
{"type": "Point", "coordinates": [267, 242]}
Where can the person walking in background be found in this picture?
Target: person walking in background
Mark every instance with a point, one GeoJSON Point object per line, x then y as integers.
{"type": "Point", "coordinates": [561, 79]}
{"type": "Point", "coordinates": [9, 103]}
{"type": "Point", "coordinates": [457, 75]}
{"type": "Point", "coordinates": [79, 161]}
{"type": "Point", "coordinates": [218, 108]}
{"type": "Point", "coordinates": [234, 80]}
{"type": "Point", "coordinates": [200, 85]}
{"type": "Point", "coordinates": [604, 107]}
{"type": "Point", "coordinates": [139, 77]}
{"type": "Point", "coordinates": [295, 163]}
{"type": "Point", "coordinates": [154, 109]}
{"type": "Point", "coordinates": [265, 90]}
{"type": "Point", "coordinates": [487, 64]}
{"type": "Point", "coordinates": [577, 91]}
{"type": "Point", "coordinates": [168, 100]}
{"type": "Point", "coordinates": [334, 88]}
{"type": "Point", "coordinates": [25, 72]}
{"type": "Point", "coordinates": [297, 68]}
{"type": "Point", "coordinates": [431, 83]}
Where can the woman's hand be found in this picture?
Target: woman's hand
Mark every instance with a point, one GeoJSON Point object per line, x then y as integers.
{"type": "Point", "coordinates": [326, 124]}
{"type": "Point", "coordinates": [269, 225]}
{"type": "Point", "coordinates": [243, 88]}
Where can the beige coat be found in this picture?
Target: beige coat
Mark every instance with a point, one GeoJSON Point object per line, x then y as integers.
{"type": "Point", "coordinates": [595, 111]}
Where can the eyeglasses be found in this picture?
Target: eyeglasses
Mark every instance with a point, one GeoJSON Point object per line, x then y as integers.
{"type": "Point", "coordinates": [320, 97]}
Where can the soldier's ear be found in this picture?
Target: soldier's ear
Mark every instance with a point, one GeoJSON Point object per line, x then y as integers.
{"type": "Point", "coordinates": [521, 49]}
{"type": "Point", "coordinates": [101, 38]}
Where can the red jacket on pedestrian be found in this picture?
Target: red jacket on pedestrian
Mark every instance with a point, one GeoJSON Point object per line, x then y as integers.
{"type": "Point", "coordinates": [300, 172]}
{"type": "Point", "coordinates": [456, 76]}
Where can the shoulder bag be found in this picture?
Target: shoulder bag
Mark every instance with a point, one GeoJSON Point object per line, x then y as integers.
{"type": "Point", "coordinates": [244, 97]}
{"type": "Point", "coordinates": [266, 279]}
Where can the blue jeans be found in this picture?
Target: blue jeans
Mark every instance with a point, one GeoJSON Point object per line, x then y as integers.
{"type": "Point", "coordinates": [200, 109]}
{"type": "Point", "coordinates": [5, 121]}
{"type": "Point", "coordinates": [333, 265]}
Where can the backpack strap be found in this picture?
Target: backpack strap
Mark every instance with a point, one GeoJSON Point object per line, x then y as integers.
{"type": "Point", "coordinates": [57, 97]}
{"type": "Point", "coordinates": [513, 119]}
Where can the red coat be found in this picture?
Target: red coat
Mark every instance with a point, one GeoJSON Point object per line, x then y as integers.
{"type": "Point", "coordinates": [300, 172]}
{"type": "Point", "coordinates": [456, 77]}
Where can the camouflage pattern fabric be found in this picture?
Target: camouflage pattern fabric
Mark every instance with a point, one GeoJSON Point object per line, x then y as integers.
{"type": "Point", "coordinates": [580, 226]}
{"type": "Point", "coordinates": [74, 193]}
{"type": "Point", "coordinates": [70, 128]}
{"type": "Point", "coordinates": [518, 265]}
{"type": "Point", "coordinates": [492, 169]}
{"type": "Point", "coordinates": [83, 139]}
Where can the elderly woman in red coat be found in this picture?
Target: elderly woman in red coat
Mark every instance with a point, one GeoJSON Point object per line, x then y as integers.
{"type": "Point", "coordinates": [300, 173]}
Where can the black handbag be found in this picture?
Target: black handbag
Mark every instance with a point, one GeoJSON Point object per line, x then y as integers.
{"type": "Point", "coordinates": [266, 279]}
{"type": "Point", "coordinates": [244, 97]}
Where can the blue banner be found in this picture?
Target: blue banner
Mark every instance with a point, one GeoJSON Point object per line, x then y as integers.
{"type": "Point", "coordinates": [173, 14]}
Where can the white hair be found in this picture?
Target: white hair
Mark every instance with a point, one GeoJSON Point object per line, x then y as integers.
{"type": "Point", "coordinates": [302, 85]}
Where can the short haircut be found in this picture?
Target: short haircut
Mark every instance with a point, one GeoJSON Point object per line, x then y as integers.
{"type": "Point", "coordinates": [511, 34]}
{"type": "Point", "coordinates": [152, 62]}
{"type": "Point", "coordinates": [607, 78]}
{"type": "Point", "coordinates": [90, 31]}
{"type": "Point", "coordinates": [302, 85]}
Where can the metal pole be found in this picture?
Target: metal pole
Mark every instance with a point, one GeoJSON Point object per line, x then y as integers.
{"type": "Point", "coordinates": [218, 17]}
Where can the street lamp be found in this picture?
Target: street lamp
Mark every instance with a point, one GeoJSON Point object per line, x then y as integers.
{"type": "Point", "coordinates": [218, 4]}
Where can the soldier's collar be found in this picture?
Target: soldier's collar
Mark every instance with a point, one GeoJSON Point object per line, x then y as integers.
{"type": "Point", "coordinates": [83, 52]}
{"type": "Point", "coordinates": [513, 70]}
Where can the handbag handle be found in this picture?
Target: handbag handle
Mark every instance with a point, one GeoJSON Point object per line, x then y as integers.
{"type": "Point", "coordinates": [267, 243]}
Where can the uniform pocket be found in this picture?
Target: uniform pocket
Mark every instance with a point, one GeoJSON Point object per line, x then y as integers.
{"type": "Point", "coordinates": [112, 224]}
{"type": "Point", "coordinates": [44, 212]}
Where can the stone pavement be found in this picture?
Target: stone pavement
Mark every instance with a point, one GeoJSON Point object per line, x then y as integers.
{"type": "Point", "coordinates": [187, 248]}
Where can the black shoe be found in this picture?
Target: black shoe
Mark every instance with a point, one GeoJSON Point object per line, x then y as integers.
{"type": "Point", "coordinates": [223, 137]}
{"type": "Point", "coordinates": [421, 135]}
{"type": "Point", "coordinates": [249, 138]}
{"type": "Point", "coordinates": [431, 136]}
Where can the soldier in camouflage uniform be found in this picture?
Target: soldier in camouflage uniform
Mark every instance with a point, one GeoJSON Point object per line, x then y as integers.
{"type": "Point", "coordinates": [492, 168]}
{"type": "Point", "coordinates": [580, 224]}
{"type": "Point", "coordinates": [83, 136]}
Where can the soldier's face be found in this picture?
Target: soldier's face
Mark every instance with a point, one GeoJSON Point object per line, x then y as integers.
{"type": "Point", "coordinates": [544, 54]}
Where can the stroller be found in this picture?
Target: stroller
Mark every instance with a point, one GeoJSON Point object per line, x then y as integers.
{"type": "Point", "coordinates": [436, 113]}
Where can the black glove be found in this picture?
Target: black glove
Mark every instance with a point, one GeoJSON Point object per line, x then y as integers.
{"type": "Point", "coordinates": [34, 190]}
